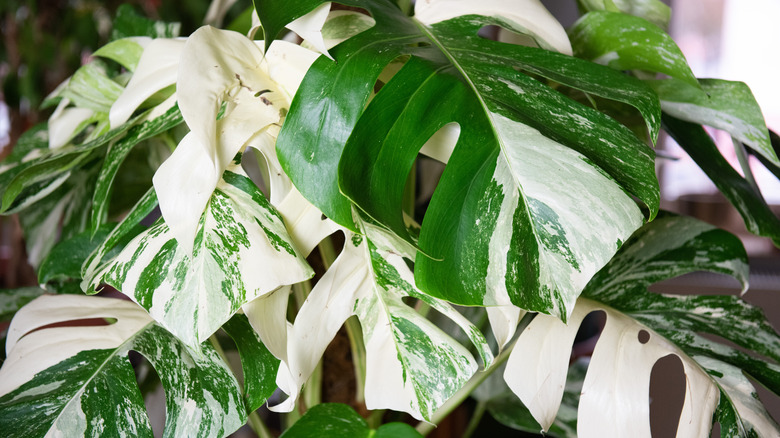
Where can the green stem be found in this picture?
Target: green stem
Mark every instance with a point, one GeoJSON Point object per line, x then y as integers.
{"type": "Point", "coordinates": [355, 335]}
{"type": "Point", "coordinates": [405, 6]}
{"type": "Point", "coordinates": [312, 391]}
{"type": "Point", "coordinates": [374, 419]}
{"type": "Point", "coordinates": [739, 148]}
{"type": "Point", "coordinates": [327, 252]}
{"type": "Point", "coordinates": [257, 425]}
{"type": "Point", "coordinates": [476, 417]}
{"type": "Point", "coordinates": [425, 428]}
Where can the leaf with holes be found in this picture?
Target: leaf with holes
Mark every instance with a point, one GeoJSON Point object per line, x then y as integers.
{"type": "Point", "coordinates": [76, 379]}
{"type": "Point", "coordinates": [614, 399]}
{"type": "Point", "coordinates": [531, 169]}
{"type": "Point", "coordinates": [241, 250]}
{"type": "Point", "coordinates": [411, 364]}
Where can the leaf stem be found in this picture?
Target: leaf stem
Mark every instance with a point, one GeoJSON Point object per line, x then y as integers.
{"type": "Point", "coordinates": [476, 418]}
{"type": "Point", "coordinates": [425, 428]}
{"type": "Point", "coordinates": [257, 425]}
{"type": "Point", "coordinates": [355, 335]}
{"type": "Point", "coordinates": [742, 157]}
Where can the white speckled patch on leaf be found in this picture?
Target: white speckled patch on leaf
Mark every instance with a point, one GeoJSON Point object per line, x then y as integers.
{"type": "Point", "coordinates": [412, 365]}
{"type": "Point", "coordinates": [241, 251]}
{"type": "Point", "coordinates": [78, 381]}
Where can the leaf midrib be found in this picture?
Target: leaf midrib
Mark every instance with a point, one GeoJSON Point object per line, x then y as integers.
{"type": "Point", "coordinates": [109, 357]}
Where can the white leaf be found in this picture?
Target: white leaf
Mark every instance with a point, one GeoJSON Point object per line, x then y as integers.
{"type": "Point", "coordinates": [309, 27]}
{"type": "Point", "coordinates": [156, 70]}
{"type": "Point", "coordinates": [526, 16]}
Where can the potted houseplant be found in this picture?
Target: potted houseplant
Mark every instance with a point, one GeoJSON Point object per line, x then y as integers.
{"type": "Point", "coordinates": [547, 211]}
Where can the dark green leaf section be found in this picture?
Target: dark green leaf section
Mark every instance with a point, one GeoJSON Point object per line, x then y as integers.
{"type": "Point", "coordinates": [66, 258]}
{"type": "Point", "coordinates": [259, 365]}
{"type": "Point", "coordinates": [274, 15]}
{"type": "Point", "coordinates": [455, 76]}
{"type": "Point", "coordinates": [98, 383]}
{"type": "Point", "coordinates": [626, 42]}
{"type": "Point", "coordinates": [118, 151]}
{"type": "Point", "coordinates": [759, 219]}
{"type": "Point", "coordinates": [336, 420]}
{"type": "Point", "coordinates": [129, 23]}
{"type": "Point", "coordinates": [672, 246]}
{"type": "Point", "coordinates": [331, 98]}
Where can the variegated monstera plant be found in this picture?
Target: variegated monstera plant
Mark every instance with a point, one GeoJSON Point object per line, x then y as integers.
{"type": "Point", "coordinates": [547, 210]}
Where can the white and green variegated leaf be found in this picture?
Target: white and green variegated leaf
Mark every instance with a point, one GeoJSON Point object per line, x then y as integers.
{"type": "Point", "coordinates": [117, 153]}
{"type": "Point", "coordinates": [722, 104]}
{"type": "Point", "coordinates": [37, 174]}
{"type": "Point", "coordinates": [411, 364]}
{"type": "Point", "coordinates": [627, 42]}
{"type": "Point", "coordinates": [614, 399]}
{"type": "Point", "coordinates": [527, 17]}
{"type": "Point", "coordinates": [59, 214]}
{"type": "Point", "coordinates": [654, 11]}
{"type": "Point", "coordinates": [156, 70]}
{"type": "Point", "coordinates": [90, 88]}
{"type": "Point", "coordinates": [259, 366]}
{"type": "Point", "coordinates": [126, 51]}
{"type": "Point", "coordinates": [241, 251]}
{"type": "Point", "coordinates": [77, 380]}
{"type": "Point", "coordinates": [219, 67]}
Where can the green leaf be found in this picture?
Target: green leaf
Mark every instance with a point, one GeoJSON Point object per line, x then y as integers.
{"type": "Point", "coordinates": [66, 257]}
{"type": "Point", "coordinates": [126, 51]}
{"type": "Point", "coordinates": [626, 42]}
{"type": "Point", "coordinates": [615, 390]}
{"type": "Point", "coordinates": [653, 11]}
{"type": "Point", "coordinates": [487, 190]}
{"type": "Point", "coordinates": [725, 105]}
{"type": "Point", "coordinates": [336, 420]}
{"type": "Point", "coordinates": [128, 23]}
{"type": "Point", "coordinates": [78, 381]}
{"type": "Point", "coordinates": [118, 151]}
{"type": "Point", "coordinates": [241, 251]}
{"type": "Point", "coordinates": [758, 217]}
{"type": "Point", "coordinates": [411, 364]}
{"type": "Point", "coordinates": [259, 365]}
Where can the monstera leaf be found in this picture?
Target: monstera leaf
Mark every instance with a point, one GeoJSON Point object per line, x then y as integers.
{"type": "Point", "coordinates": [76, 380]}
{"type": "Point", "coordinates": [241, 250]}
{"type": "Point", "coordinates": [536, 196]}
{"type": "Point", "coordinates": [411, 364]}
{"type": "Point", "coordinates": [643, 327]}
